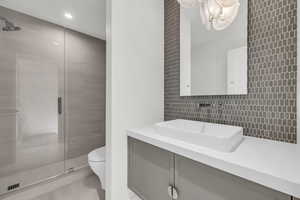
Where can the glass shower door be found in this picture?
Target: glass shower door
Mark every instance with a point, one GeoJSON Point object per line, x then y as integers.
{"type": "Point", "coordinates": [85, 97]}
{"type": "Point", "coordinates": [31, 82]}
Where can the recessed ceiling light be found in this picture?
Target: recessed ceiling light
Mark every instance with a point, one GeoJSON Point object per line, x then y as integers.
{"type": "Point", "coordinates": [68, 15]}
{"type": "Point", "coordinates": [55, 43]}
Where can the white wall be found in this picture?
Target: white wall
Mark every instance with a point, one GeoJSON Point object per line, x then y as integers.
{"type": "Point", "coordinates": [209, 64]}
{"type": "Point", "coordinates": [209, 69]}
{"type": "Point", "coordinates": [135, 88]}
{"type": "Point", "coordinates": [237, 71]}
{"type": "Point", "coordinates": [185, 54]}
{"type": "Point", "coordinates": [37, 108]}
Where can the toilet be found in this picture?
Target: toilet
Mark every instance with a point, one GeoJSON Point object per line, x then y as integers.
{"type": "Point", "coordinates": [96, 161]}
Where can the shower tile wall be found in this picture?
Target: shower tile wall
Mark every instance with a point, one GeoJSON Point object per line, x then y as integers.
{"type": "Point", "coordinates": [85, 96]}
{"type": "Point", "coordinates": [269, 109]}
{"type": "Point", "coordinates": [37, 65]}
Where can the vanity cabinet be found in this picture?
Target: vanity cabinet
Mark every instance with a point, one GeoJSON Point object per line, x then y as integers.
{"type": "Point", "coordinates": [152, 170]}
{"type": "Point", "coordinates": [149, 170]}
{"type": "Point", "coordinates": [197, 181]}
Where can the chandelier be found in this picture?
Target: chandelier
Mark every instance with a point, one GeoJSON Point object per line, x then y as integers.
{"type": "Point", "coordinates": [216, 14]}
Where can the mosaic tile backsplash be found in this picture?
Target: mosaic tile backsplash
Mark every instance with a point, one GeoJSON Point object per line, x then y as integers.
{"type": "Point", "coordinates": [269, 109]}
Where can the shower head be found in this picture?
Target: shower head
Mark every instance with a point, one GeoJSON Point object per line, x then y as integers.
{"type": "Point", "coordinates": [9, 26]}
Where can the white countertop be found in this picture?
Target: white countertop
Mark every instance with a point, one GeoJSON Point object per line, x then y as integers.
{"type": "Point", "coordinates": [273, 164]}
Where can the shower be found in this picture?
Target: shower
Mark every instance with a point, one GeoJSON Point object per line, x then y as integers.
{"type": "Point", "coordinates": [9, 26]}
{"type": "Point", "coordinates": [48, 125]}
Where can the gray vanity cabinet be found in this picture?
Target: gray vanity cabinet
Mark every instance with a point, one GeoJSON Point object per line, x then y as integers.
{"type": "Point", "coordinates": [195, 181]}
{"type": "Point", "coordinates": [151, 170]}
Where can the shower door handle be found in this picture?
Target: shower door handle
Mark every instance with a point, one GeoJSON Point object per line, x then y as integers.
{"type": "Point", "coordinates": [59, 105]}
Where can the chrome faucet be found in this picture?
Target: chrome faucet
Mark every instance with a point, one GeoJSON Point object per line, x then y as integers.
{"type": "Point", "coordinates": [207, 105]}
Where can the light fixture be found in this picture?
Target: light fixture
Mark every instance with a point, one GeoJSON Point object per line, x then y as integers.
{"type": "Point", "coordinates": [68, 15]}
{"type": "Point", "coordinates": [188, 3]}
{"type": "Point", "coordinates": [55, 43]}
{"type": "Point", "coordinates": [227, 17]}
{"type": "Point", "coordinates": [218, 14]}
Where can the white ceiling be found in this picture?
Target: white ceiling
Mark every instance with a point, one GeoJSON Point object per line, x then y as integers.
{"type": "Point", "coordinates": [88, 15]}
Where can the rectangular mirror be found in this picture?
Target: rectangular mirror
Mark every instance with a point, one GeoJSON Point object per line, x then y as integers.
{"type": "Point", "coordinates": [213, 61]}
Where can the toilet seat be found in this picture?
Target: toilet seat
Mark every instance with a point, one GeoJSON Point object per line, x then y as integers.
{"type": "Point", "coordinates": [98, 155]}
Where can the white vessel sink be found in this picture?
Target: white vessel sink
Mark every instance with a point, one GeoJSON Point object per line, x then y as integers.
{"type": "Point", "coordinates": [219, 137]}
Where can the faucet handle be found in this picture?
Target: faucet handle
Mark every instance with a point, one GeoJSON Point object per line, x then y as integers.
{"type": "Point", "coordinates": [207, 105]}
{"type": "Point", "coordinates": [203, 105]}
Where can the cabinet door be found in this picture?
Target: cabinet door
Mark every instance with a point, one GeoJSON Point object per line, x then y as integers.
{"type": "Point", "coordinates": [150, 170]}
{"type": "Point", "coordinates": [196, 181]}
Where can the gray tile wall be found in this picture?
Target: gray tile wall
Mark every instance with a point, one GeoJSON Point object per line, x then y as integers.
{"type": "Point", "coordinates": [85, 83]}
{"type": "Point", "coordinates": [269, 109]}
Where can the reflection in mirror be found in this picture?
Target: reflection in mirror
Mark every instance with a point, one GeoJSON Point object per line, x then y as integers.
{"type": "Point", "coordinates": [213, 62]}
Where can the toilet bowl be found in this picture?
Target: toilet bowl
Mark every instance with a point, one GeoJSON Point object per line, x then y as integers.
{"type": "Point", "coordinates": [96, 161]}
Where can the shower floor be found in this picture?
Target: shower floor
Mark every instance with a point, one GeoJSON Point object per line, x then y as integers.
{"type": "Point", "coordinates": [85, 189]}
{"type": "Point", "coordinates": [32, 176]}
{"type": "Point", "coordinates": [79, 185]}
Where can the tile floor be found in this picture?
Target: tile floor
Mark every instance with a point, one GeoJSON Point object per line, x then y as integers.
{"type": "Point", "coordinates": [85, 189]}
{"type": "Point", "coordinates": [88, 188]}
{"type": "Point", "coordinates": [79, 185]}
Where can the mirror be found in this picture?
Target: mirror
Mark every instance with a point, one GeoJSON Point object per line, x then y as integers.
{"type": "Point", "coordinates": [213, 62]}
